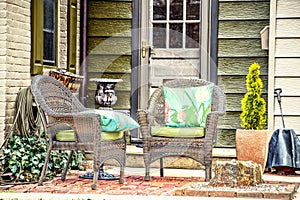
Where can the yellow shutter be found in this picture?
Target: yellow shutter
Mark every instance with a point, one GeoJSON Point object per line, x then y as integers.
{"type": "Point", "coordinates": [72, 32]}
{"type": "Point", "coordinates": [37, 35]}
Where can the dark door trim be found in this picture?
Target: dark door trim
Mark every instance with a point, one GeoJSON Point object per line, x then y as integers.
{"type": "Point", "coordinates": [214, 41]}
{"type": "Point", "coordinates": [135, 46]}
{"type": "Point", "coordinates": [83, 49]}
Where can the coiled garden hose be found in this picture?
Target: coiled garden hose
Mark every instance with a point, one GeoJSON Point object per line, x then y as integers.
{"type": "Point", "coordinates": [28, 120]}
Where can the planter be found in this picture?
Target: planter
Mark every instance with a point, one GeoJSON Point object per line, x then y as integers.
{"type": "Point", "coordinates": [252, 145]}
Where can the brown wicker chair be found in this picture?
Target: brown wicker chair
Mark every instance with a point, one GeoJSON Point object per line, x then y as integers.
{"type": "Point", "coordinates": [199, 149]}
{"type": "Point", "coordinates": [61, 110]}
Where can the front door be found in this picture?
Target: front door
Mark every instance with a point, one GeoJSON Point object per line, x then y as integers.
{"type": "Point", "coordinates": [174, 42]}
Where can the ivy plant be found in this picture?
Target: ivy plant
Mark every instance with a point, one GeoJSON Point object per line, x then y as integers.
{"type": "Point", "coordinates": [24, 158]}
{"type": "Point", "coordinates": [253, 116]}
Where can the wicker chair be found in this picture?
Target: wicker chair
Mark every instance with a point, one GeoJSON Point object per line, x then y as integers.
{"type": "Point", "coordinates": [61, 110]}
{"type": "Point", "coordinates": [199, 149]}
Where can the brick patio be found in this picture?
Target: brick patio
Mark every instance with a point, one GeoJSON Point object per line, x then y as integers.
{"type": "Point", "coordinates": [135, 186]}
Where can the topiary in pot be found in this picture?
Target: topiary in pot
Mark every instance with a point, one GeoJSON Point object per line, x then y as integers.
{"type": "Point", "coordinates": [253, 116]}
{"type": "Point", "coordinates": [252, 141]}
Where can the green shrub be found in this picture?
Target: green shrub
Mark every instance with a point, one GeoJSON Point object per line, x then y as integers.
{"type": "Point", "coordinates": [253, 116]}
{"type": "Point", "coordinates": [25, 157]}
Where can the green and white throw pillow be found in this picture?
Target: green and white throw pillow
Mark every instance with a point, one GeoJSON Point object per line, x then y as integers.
{"type": "Point", "coordinates": [114, 121]}
{"type": "Point", "coordinates": [187, 107]}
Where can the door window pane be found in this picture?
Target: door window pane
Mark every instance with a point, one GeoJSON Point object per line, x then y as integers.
{"type": "Point", "coordinates": [159, 9]}
{"type": "Point", "coordinates": [175, 35]}
{"type": "Point", "coordinates": [193, 9]}
{"type": "Point", "coordinates": [192, 33]}
{"type": "Point", "coordinates": [176, 10]}
{"type": "Point", "coordinates": [49, 32]}
{"type": "Point", "coordinates": [159, 35]}
{"type": "Point", "coordinates": [181, 18]}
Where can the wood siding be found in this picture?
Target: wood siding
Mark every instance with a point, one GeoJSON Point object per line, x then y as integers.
{"type": "Point", "coordinates": [109, 47]}
{"type": "Point", "coordinates": [285, 62]}
{"type": "Point", "coordinates": [239, 45]}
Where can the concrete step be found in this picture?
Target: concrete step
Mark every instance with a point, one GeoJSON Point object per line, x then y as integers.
{"type": "Point", "coordinates": [134, 158]}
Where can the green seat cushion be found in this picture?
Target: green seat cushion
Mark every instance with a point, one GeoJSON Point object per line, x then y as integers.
{"type": "Point", "coordinates": [114, 121]}
{"type": "Point", "coordinates": [184, 132]}
{"type": "Point", "coordinates": [69, 136]}
{"type": "Point", "coordinates": [187, 107]}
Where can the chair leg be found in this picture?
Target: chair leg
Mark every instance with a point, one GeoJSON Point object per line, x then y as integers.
{"type": "Point", "coordinates": [45, 167]}
{"type": "Point", "coordinates": [207, 173]}
{"type": "Point", "coordinates": [63, 177]}
{"type": "Point", "coordinates": [95, 177]}
{"type": "Point", "coordinates": [121, 179]}
{"type": "Point", "coordinates": [147, 166]}
{"type": "Point", "coordinates": [161, 167]}
{"type": "Point", "coordinates": [147, 174]}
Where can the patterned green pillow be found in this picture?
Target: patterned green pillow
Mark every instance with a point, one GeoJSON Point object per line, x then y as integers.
{"type": "Point", "coordinates": [114, 121]}
{"type": "Point", "coordinates": [187, 107]}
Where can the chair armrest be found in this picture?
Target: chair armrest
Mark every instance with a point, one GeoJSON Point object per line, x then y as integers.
{"type": "Point", "coordinates": [211, 126]}
{"type": "Point", "coordinates": [143, 120]}
{"type": "Point", "coordinates": [86, 126]}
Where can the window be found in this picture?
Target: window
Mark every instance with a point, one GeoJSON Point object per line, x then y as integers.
{"type": "Point", "coordinates": [45, 35]}
{"type": "Point", "coordinates": [171, 18]}
{"type": "Point", "coordinates": [49, 33]}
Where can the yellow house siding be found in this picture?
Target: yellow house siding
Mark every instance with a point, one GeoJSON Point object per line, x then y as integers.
{"type": "Point", "coordinates": [109, 48]}
{"type": "Point", "coordinates": [14, 57]}
{"type": "Point", "coordinates": [285, 60]}
{"type": "Point", "coordinates": [239, 45]}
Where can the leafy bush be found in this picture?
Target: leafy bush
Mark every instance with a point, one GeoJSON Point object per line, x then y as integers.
{"type": "Point", "coordinates": [253, 114]}
{"type": "Point", "coordinates": [25, 157]}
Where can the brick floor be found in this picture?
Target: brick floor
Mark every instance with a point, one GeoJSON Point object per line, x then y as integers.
{"type": "Point", "coordinates": [135, 185]}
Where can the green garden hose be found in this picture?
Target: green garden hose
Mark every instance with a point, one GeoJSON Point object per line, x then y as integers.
{"type": "Point", "coordinates": [28, 120]}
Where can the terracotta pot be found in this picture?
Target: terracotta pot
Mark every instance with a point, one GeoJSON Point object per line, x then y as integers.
{"type": "Point", "coordinates": [252, 145]}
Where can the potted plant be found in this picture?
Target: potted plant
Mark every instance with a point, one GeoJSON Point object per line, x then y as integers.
{"type": "Point", "coordinates": [252, 141]}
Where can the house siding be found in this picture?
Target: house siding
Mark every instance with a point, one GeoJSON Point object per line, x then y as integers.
{"type": "Point", "coordinates": [239, 45]}
{"type": "Point", "coordinates": [14, 57]}
{"type": "Point", "coordinates": [15, 53]}
{"type": "Point", "coordinates": [284, 63]}
{"type": "Point", "coordinates": [109, 48]}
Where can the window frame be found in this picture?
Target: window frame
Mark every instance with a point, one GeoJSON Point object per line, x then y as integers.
{"type": "Point", "coordinates": [72, 36]}
{"type": "Point", "coordinates": [37, 25]}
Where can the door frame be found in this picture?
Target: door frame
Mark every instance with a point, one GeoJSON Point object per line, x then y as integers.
{"type": "Point", "coordinates": [135, 63]}
{"type": "Point", "coordinates": [139, 89]}
{"type": "Point", "coordinates": [214, 20]}
{"type": "Point", "coordinates": [209, 40]}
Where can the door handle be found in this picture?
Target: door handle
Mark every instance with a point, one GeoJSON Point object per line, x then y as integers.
{"type": "Point", "coordinates": [144, 49]}
{"type": "Point", "coordinates": [151, 51]}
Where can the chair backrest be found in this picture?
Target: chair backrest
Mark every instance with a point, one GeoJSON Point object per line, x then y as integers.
{"type": "Point", "coordinates": [53, 97]}
{"type": "Point", "coordinates": [156, 104]}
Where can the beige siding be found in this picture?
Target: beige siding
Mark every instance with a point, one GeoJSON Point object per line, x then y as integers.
{"type": "Point", "coordinates": [239, 45]}
{"type": "Point", "coordinates": [287, 67]}
{"type": "Point", "coordinates": [63, 33]}
{"type": "Point", "coordinates": [14, 57]}
{"type": "Point", "coordinates": [289, 85]}
{"type": "Point", "coordinates": [285, 60]}
{"type": "Point", "coordinates": [3, 67]}
{"type": "Point", "coordinates": [286, 103]}
{"type": "Point", "coordinates": [15, 54]}
{"type": "Point", "coordinates": [287, 8]}
{"type": "Point", "coordinates": [288, 28]}
{"type": "Point", "coordinates": [291, 122]}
